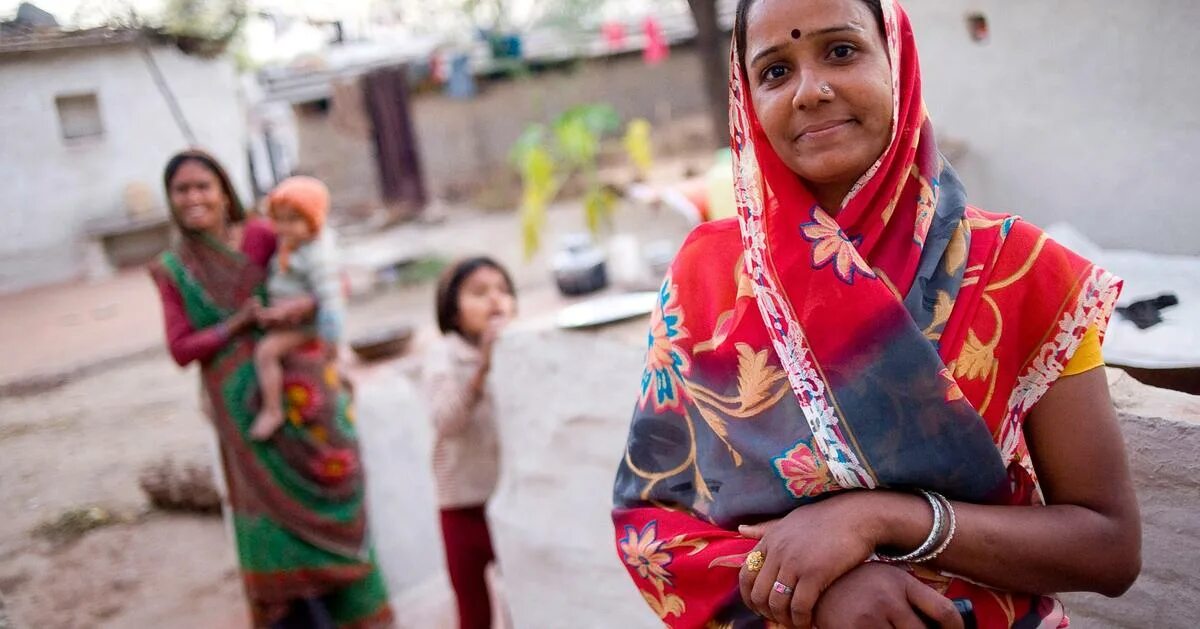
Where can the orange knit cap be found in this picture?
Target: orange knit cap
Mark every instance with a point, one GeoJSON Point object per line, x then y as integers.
{"type": "Point", "coordinates": [306, 195]}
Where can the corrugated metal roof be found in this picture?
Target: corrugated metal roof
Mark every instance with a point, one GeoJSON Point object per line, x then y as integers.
{"type": "Point", "coordinates": [38, 40]}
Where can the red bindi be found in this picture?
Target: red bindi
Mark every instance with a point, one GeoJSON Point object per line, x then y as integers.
{"type": "Point", "coordinates": [795, 33]}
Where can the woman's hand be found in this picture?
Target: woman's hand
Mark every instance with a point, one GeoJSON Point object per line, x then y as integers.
{"type": "Point", "coordinates": [270, 317]}
{"type": "Point", "coordinates": [288, 313]}
{"type": "Point", "coordinates": [807, 551]}
{"type": "Point", "coordinates": [245, 317]}
{"type": "Point", "coordinates": [879, 595]}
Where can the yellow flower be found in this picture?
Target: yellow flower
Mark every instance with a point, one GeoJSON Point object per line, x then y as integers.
{"type": "Point", "coordinates": [331, 377]}
{"type": "Point", "coordinates": [298, 395]}
{"type": "Point", "coordinates": [298, 398]}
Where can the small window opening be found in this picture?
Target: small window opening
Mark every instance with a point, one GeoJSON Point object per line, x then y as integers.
{"type": "Point", "coordinates": [79, 116]}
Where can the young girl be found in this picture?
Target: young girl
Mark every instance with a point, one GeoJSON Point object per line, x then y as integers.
{"type": "Point", "coordinates": [305, 267]}
{"type": "Point", "coordinates": [475, 300]}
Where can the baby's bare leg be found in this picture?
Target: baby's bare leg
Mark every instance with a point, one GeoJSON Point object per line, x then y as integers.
{"type": "Point", "coordinates": [267, 358]}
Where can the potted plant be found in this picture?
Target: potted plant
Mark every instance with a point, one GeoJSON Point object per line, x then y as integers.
{"type": "Point", "coordinates": [547, 158]}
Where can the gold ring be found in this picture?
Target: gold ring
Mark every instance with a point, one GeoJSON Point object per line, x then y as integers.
{"type": "Point", "coordinates": [754, 561]}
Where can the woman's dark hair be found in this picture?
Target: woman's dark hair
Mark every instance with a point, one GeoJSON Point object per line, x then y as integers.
{"type": "Point", "coordinates": [451, 283]}
{"type": "Point", "coordinates": [237, 212]}
{"type": "Point", "coordinates": [743, 10]}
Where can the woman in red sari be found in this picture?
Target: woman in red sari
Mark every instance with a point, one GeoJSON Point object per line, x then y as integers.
{"type": "Point", "coordinates": [865, 397]}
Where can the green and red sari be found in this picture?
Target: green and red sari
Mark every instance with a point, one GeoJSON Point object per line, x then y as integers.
{"type": "Point", "coordinates": [297, 500]}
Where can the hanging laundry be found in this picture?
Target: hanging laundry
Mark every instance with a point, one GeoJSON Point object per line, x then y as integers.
{"type": "Point", "coordinates": [461, 84]}
{"type": "Point", "coordinates": [657, 48]}
{"type": "Point", "coordinates": [614, 36]}
{"type": "Point", "coordinates": [439, 66]}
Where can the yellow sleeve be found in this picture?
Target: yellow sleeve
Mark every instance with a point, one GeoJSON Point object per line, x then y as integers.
{"type": "Point", "coordinates": [1087, 356]}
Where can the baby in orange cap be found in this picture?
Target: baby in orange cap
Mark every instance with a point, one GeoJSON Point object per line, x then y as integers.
{"type": "Point", "coordinates": [304, 266]}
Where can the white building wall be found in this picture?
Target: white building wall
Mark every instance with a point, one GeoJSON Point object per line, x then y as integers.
{"type": "Point", "coordinates": [1075, 110]}
{"type": "Point", "coordinates": [52, 187]}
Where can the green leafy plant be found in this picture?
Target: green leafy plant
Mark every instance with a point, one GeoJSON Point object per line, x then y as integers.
{"type": "Point", "coordinates": [204, 27]}
{"type": "Point", "coordinates": [548, 156]}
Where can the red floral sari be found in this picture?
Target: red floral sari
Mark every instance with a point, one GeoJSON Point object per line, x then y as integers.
{"type": "Point", "coordinates": [793, 354]}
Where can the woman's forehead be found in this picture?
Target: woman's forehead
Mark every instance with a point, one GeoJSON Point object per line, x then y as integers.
{"type": "Point", "coordinates": [193, 170]}
{"type": "Point", "coordinates": [786, 19]}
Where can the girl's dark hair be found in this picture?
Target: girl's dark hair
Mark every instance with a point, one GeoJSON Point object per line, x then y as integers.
{"type": "Point", "coordinates": [237, 212]}
{"type": "Point", "coordinates": [451, 283]}
{"type": "Point", "coordinates": [743, 10]}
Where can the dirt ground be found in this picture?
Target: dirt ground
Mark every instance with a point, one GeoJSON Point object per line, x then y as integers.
{"type": "Point", "coordinates": [80, 441]}
{"type": "Point", "coordinates": [81, 446]}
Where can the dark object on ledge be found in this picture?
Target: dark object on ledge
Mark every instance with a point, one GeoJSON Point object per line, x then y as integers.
{"type": "Point", "coordinates": [383, 344]}
{"type": "Point", "coordinates": [579, 266]}
{"type": "Point", "coordinates": [1147, 313]}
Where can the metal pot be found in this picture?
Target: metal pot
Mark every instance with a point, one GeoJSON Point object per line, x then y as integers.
{"type": "Point", "coordinates": [579, 266]}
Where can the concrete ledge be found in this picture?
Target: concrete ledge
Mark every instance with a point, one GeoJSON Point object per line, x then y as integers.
{"type": "Point", "coordinates": [564, 403]}
{"type": "Point", "coordinates": [1162, 434]}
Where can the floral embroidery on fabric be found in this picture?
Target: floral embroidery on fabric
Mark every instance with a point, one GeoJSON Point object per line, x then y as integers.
{"type": "Point", "coordinates": [333, 466]}
{"type": "Point", "coordinates": [832, 246]}
{"type": "Point", "coordinates": [927, 200]}
{"type": "Point", "coordinates": [644, 553]}
{"type": "Point", "coordinates": [953, 391]}
{"type": "Point", "coordinates": [803, 472]}
{"type": "Point", "coordinates": [302, 399]}
{"type": "Point", "coordinates": [761, 385]}
{"type": "Point", "coordinates": [666, 362]}
{"type": "Point", "coordinates": [649, 557]}
{"type": "Point", "coordinates": [1096, 300]}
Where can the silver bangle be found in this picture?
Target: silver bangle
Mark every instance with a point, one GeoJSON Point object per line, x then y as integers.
{"type": "Point", "coordinates": [931, 541]}
{"type": "Point", "coordinates": [953, 527]}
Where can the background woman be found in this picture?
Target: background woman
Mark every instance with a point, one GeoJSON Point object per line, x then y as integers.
{"type": "Point", "coordinates": [297, 498]}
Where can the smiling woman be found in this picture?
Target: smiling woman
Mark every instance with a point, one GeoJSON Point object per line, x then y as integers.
{"type": "Point", "coordinates": [296, 500]}
{"type": "Point", "coordinates": [864, 398]}
{"type": "Point", "coordinates": [821, 83]}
